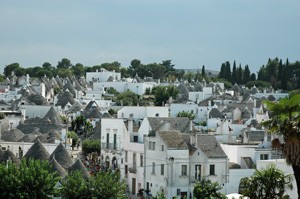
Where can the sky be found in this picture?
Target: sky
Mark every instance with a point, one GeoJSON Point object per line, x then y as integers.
{"type": "Point", "coordinates": [191, 33]}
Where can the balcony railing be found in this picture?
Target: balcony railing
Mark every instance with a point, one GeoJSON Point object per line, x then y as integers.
{"type": "Point", "coordinates": [132, 170]}
{"type": "Point", "coordinates": [105, 145]}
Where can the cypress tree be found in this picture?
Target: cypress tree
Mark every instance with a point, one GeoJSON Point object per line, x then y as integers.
{"type": "Point", "coordinates": [246, 74]}
{"type": "Point", "coordinates": [240, 75]}
{"type": "Point", "coordinates": [284, 77]}
{"type": "Point", "coordinates": [222, 71]}
{"type": "Point", "coordinates": [227, 71]}
{"type": "Point", "coordinates": [280, 67]}
{"type": "Point", "coordinates": [234, 74]}
{"type": "Point", "coordinates": [203, 71]}
{"type": "Point", "coordinates": [252, 77]}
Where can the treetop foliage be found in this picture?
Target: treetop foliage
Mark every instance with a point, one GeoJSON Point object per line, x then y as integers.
{"type": "Point", "coordinates": [278, 73]}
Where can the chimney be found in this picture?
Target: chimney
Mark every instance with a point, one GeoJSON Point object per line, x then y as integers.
{"type": "Point", "coordinates": [229, 135]}
{"type": "Point", "coordinates": [130, 124]}
{"type": "Point", "coordinates": [27, 79]}
{"type": "Point", "coordinates": [190, 124]}
{"type": "Point", "coordinates": [23, 112]}
{"type": "Point", "coordinates": [193, 139]}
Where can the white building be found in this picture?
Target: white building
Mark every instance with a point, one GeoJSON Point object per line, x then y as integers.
{"type": "Point", "coordinates": [143, 111]}
{"type": "Point", "coordinates": [200, 95]}
{"type": "Point", "coordinates": [174, 162]}
{"type": "Point", "coordinates": [102, 76]}
{"type": "Point", "coordinates": [122, 86]}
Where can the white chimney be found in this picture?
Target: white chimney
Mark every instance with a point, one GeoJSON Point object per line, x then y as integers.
{"type": "Point", "coordinates": [23, 112]}
{"type": "Point", "coordinates": [27, 79]}
{"type": "Point", "coordinates": [190, 125]}
{"type": "Point", "coordinates": [130, 124]}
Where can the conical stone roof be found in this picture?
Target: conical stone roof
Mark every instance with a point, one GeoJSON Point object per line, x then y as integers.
{"type": "Point", "coordinates": [29, 138]}
{"type": "Point", "coordinates": [62, 156]}
{"type": "Point", "coordinates": [37, 151]}
{"type": "Point", "coordinates": [12, 135]}
{"type": "Point", "coordinates": [64, 98]}
{"type": "Point", "coordinates": [54, 133]}
{"type": "Point", "coordinates": [58, 168]}
{"type": "Point", "coordinates": [53, 117]}
{"type": "Point", "coordinates": [78, 166]}
{"type": "Point", "coordinates": [8, 155]}
{"type": "Point", "coordinates": [77, 106]}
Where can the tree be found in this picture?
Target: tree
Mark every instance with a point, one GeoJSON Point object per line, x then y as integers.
{"type": "Point", "coordinates": [222, 71]}
{"type": "Point", "coordinates": [134, 64]}
{"type": "Point", "coordinates": [19, 72]}
{"type": "Point", "coordinates": [47, 65]}
{"type": "Point", "coordinates": [31, 179]}
{"type": "Point", "coordinates": [203, 71]}
{"type": "Point", "coordinates": [186, 114]}
{"type": "Point", "coordinates": [2, 78]}
{"type": "Point", "coordinates": [74, 137]}
{"type": "Point", "coordinates": [81, 125]}
{"type": "Point", "coordinates": [102, 185]}
{"type": "Point", "coordinates": [252, 77]}
{"type": "Point", "coordinates": [286, 123]}
{"type": "Point", "coordinates": [64, 63]}
{"type": "Point", "coordinates": [63, 72]}
{"type": "Point", "coordinates": [163, 93]}
{"type": "Point", "coordinates": [91, 145]}
{"type": "Point", "coordinates": [227, 71]}
{"type": "Point", "coordinates": [268, 183]}
{"type": "Point", "coordinates": [239, 78]}
{"type": "Point", "coordinates": [246, 75]}
{"type": "Point", "coordinates": [161, 195]}
{"type": "Point", "coordinates": [234, 74]}
{"type": "Point", "coordinates": [75, 186]}
{"type": "Point", "coordinates": [78, 70]}
{"type": "Point", "coordinates": [112, 66]}
{"type": "Point", "coordinates": [198, 76]}
{"type": "Point", "coordinates": [127, 98]}
{"type": "Point", "coordinates": [9, 68]}
{"type": "Point", "coordinates": [168, 65]}
{"type": "Point", "coordinates": [205, 189]}
{"type": "Point", "coordinates": [108, 185]}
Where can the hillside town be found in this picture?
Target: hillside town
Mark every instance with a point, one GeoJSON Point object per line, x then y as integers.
{"type": "Point", "coordinates": [206, 132]}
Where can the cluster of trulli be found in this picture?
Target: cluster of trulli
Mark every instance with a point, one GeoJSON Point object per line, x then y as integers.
{"type": "Point", "coordinates": [60, 159]}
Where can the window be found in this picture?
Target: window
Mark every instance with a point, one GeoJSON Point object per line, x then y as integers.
{"type": "Point", "coordinates": [264, 156]}
{"type": "Point", "coordinates": [115, 141]}
{"type": "Point", "coordinates": [197, 172]}
{"type": "Point", "coordinates": [162, 147]}
{"type": "Point", "coordinates": [162, 169]}
{"type": "Point", "coordinates": [153, 167]}
{"type": "Point", "coordinates": [134, 160]}
{"type": "Point", "coordinates": [183, 170]}
{"type": "Point", "coordinates": [141, 160]}
{"type": "Point", "coordinates": [107, 140]}
{"type": "Point", "coordinates": [151, 145]}
{"type": "Point", "coordinates": [212, 169]}
{"type": "Point", "coordinates": [126, 156]}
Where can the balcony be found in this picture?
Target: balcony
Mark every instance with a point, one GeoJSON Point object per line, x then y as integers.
{"type": "Point", "coordinates": [132, 170]}
{"type": "Point", "coordinates": [106, 146]}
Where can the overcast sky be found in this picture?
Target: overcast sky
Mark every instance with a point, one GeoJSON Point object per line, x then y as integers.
{"type": "Point", "coordinates": [191, 33]}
